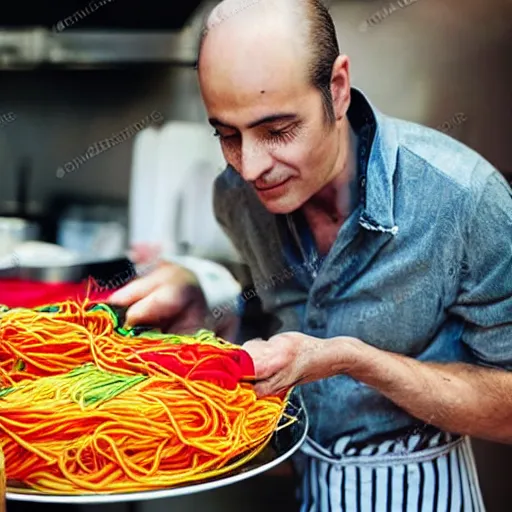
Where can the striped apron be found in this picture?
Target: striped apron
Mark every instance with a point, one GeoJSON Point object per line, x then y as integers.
{"type": "Point", "coordinates": [420, 472]}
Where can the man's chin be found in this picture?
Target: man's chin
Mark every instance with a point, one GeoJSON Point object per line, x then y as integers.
{"type": "Point", "coordinates": [287, 203]}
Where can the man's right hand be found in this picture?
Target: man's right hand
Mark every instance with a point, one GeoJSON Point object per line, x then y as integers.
{"type": "Point", "coordinates": [169, 298]}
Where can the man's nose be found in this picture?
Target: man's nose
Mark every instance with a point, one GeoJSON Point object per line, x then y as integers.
{"type": "Point", "coordinates": [255, 161]}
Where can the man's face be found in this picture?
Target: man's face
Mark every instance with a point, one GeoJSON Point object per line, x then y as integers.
{"type": "Point", "coordinates": [271, 123]}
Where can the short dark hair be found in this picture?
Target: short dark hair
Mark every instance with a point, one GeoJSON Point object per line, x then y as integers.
{"type": "Point", "coordinates": [324, 51]}
{"type": "Point", "coordinates": [323, 46]}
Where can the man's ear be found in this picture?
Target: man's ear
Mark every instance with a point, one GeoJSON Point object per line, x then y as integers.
{"type": "Point", "coordinates": [340, 86]}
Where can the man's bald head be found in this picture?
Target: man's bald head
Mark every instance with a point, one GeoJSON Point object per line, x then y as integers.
{"type": "Point", "coordinates": [306, 24]}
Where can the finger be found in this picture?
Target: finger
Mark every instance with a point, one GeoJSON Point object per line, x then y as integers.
{"type": "Point", "coordinates": [158, 307]}
{"type": "Point", "coordinates": [254, 349]}
{"type": "Point", "coordinates": [262, 389]}
{"type": "Point", "coordinates": [255, 344]}
{"type": "Point", "coordinates": [274, 386]}
{"type": "Point", "coordinates": [268, 388]}
{"type": "Point", "coordinates": [142, 287]}
{"type": "Point", "coordinates": [144, 253]}
{"type": "Point", "coordinates": [261, 357]}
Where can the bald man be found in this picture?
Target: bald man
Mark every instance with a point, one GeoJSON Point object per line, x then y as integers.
{"type": "Point", "coordinates": [396, 321]}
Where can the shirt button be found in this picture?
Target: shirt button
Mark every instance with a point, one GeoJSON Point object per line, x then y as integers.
{"type": "Point", "coordinates": [316, 323]}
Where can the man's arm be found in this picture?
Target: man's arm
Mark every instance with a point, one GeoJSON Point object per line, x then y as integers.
{"type": "Point", "coordinates": [469, 399]}
{"type": "Point", "coordinates": [461, 398]}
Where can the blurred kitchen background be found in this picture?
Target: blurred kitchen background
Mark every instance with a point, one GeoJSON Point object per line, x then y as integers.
{"type": "Point", "coordinates": [131, 66]}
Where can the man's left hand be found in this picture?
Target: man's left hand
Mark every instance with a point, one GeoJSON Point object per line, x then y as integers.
{"type": "Point", "coordinates": [286, 360]}
{"type": "Point", "coordinates": [454, 397]}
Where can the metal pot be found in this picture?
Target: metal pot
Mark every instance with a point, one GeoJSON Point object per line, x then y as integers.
{"type": "Point", "coordinates": [107, 273]}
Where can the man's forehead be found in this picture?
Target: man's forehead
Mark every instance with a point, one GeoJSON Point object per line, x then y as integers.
{"type": "Point", "coordinates": [226, 9]}
{"type": "Point", "coordinates": [252, 12]}
{"type": "Point", "coordinates": [240, 23]}
{"type": "Point", "coordinates": [254, 58]}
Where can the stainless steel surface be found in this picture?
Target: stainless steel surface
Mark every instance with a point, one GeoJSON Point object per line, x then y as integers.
{"type": "Point", "coordinates": [29, 47]}
{"type": "Point", "coordinates": [25, 49]}
{"type": "Point", "coordinates": [70, 274]}
{"type": "Point", "coordinates": [283, 444]}
{"type": "Point", "coordinates": [100, 270]}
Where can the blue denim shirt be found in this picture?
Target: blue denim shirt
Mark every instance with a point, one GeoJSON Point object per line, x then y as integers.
{"type": "Point", "coordinates": [422, 266]}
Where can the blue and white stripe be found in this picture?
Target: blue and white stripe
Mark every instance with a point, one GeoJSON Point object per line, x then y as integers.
{"type": "Point", "coordinates": [421, 473]}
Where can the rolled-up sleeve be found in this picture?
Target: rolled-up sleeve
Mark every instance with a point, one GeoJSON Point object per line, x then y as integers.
{"type": "Point", "coordinates": [485, 298]}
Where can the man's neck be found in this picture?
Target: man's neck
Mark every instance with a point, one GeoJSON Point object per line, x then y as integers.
{"type": "Point", "coordinates": [326, 211]}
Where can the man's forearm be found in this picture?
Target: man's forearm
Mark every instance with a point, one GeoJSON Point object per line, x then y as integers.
{"type": "Point", "coordinates": [455, 397]}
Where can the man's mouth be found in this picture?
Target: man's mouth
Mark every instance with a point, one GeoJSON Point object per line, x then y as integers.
{"type": "Point", "coordinates": [266, 187]}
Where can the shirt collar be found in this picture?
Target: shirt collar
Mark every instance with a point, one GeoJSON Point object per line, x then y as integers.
{"type": "Point", "coordinates": [378, 149]}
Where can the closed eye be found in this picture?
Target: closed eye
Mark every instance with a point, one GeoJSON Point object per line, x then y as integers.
{"type": "Point", "coordinates": [219, 135]}
{"type": "Point", "coordinates": [284, 135]}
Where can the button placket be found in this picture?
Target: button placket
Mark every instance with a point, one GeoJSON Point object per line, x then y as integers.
{"type": "Point", "coordinates": [316, 316]}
